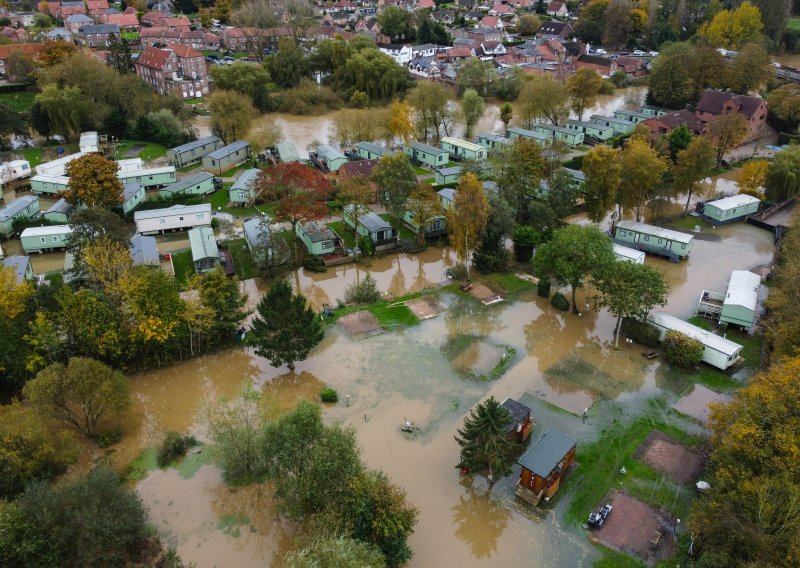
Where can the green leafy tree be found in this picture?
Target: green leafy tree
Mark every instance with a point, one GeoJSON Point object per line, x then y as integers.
{"type": "Point", "coordinates": [335, 552]}
{"type": "Point", "coordinates": [66, 109]}
{"type": "Point", "coordinates": [562, 195]}
{"type": "Point", "coordinates": [472, 109]}
{"type": "Point", "coordinates": [231, 114]}
{"type": "Point", "coordinates": [474, 73]}
{"type": "Point", "coordinates": [583, 88]}
{"type": "Point", "coordinates": [285, 329]}
{"type": "Point", "coordinates": [397, 24]}
{"type": "Point", "coordinates": [691, 167]}
{"type": "Point", "coordinates": [119, 54]}
{"type": "Point", "coordinates": [592, 21]}
{"type": "Point", "coordinates": [783, 175]}
{"type": "Point", "coordinates": [519, 168]}
{"type": "Point", "coordinates": [679, 139]}
{"type": "Point", "coordinates": [749, 69]}
{"type": "Point", "coordinates": [396, 180]}
{"type": "Point", "coordinates": [93, 181]}
{"type": "Point", "coordinates": [492, 255]}
{"type": "Point", "coordinates": [528, 24]}
{"type": "Point", "coordinates": [431, 104]}
{"type": "Point", "coordinates": [484, 439]}
{"type": "Point", "coordinates": [681, 350]}
{"type": "Point", "coordinates": [543, 98]}
{"type": "Point", "coordinates": [506, 114]}
{"type": "Point", "coordinates": [726, 132]}
{"type": "Point", "coordinates": [467, 218]}
{"type": "Point", "coordinates": [11, 122]}
{"type": "Point", "coordinates": [603, 169]}
{"type": "Point", "coordinates": [557, 258]}
{"type": "Point", "coordinates": [222, 296]}
{"type": "Point", "coordinates": [682, 72]}
{"type": "Point", "coordinates": [784, 103]}
{"type": "Point", "coordinates": [235, 426]}
{"type": "Point", "coordinates": [82, 394]}
{"type": "Point", "coordinates": [249, 80]}
{"type": "Point", "coordinates": [424, 205]}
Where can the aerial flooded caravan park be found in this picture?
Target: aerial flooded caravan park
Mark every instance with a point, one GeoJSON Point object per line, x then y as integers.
{"type": "Point", "coordinates": [333, 284]}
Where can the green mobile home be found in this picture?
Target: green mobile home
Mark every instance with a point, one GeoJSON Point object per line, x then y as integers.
{"type": "Point", "coordinates": [258, 237]}
{"type": "Point", "coordinates": [569, 137]}
{"type": "Point", "coordinates": [738, 305]}
{"type": "Point", "coordinates": [448, 175]}
{"type": "Point", "coordinates": [227, 157]}
{"type": "Point", "coordinates": [201, 183]}
{"type": "Point", "coordinates": [205, 254]}
{"type": "Point", "coordinates": [631, 116]}
{"type": "Point", "coordinates": [132, 195]}
{"type": "Point", "coordinates": [149, 177]}
{"type": "Point", "coordinates": [652, 111]}
{"type": "Point", "coordinates": [243, 192]}
{"type": "Point", "coordinates": [492, 141]}
{"type": "Point", "coordinates": [43, 184]}
{"type": "Point", "coordinates": [463, 150]}
{"type": "Point", "coordinates": [371, 151]}
{"type": "Point", "coordinates": [728, 209]}
{"type": "Point", "coordinates": [426, 155]}
{"type": "Point", "coordinates": [617, 124]}
{"type": "Point", "coordinates": [59, 212]}
{"type": "Point", "coordinates": [328, 158]}
{"type": "Point", "coordinates": [378, 229]}
{"type": "Point", "coordinates": [447, 197]}
{"type": "Point", "coordinates": [591, 130]}
{"type": "Point", "coordinates": [21, 266]}
{"type": "Point", "coordinates": [287, 152]}
{"type": "Point", "coordinates": [40, 239]}
{"type": "Point", "coordinates": [192, 152]}
{"type": "Point", "coordinates": [655, 240]}
{"type": "Point", "coordinates": [319, 239]}
{"type": "Point", "coordinates": [25, 207]}
{"type": "Point", "coordinates": [515, 132]}
{"type": "Point", "coordinates": [434, 226]}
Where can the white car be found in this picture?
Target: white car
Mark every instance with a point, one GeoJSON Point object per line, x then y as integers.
{"type": "Point", "coordinates": [601, 51]}
{"type": "Point", "coordinates": [638, 53]}
{"type": "Point", "coordinates": [653, 54]}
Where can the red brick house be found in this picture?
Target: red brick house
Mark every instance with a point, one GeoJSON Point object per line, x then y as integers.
{"type": "Point", "coordinates": [715, 103]}
{"type": "Point", "coordinates": [605, 67]}
{"type": "Point", "coordinates": [164, 36]}
{"type": "Point", "coordinates": [177, 69]}
{"type": "Point", "coordinates": [96, 8]}
{"type": "Point", "coordinates": [632, 66]}
{"type": "Point", "coordinates": [666, 123]}
{"type": "Point", "coordinates": [126, 22]}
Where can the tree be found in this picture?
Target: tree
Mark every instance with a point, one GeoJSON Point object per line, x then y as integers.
{"type": "Point", "coordinates": [225, 301]}
{"type": "Point", "coordinates": [235, 426]}
{"type": "Point", "coordinates": [66, 108]}
{"type": "Point", "coordinates": [583, 88]}
{"type": "Point", "coordinates": [631, 290]}
{"type": "Point", "coordinates": [39, 120]}
{"type": "Point", "coordinates": [81, 394]}
{"type": "Point", "coordinates": [753, 177]}
{"type": "Point", "coordinates": [682, 72]}
{"type": "Point", "coordinates": [749, 69]}
{"type": "Point", "coordinates": [397, 24]}
{"type": "Point", "coordinates": [492, 255]}
{"type": "Point", "coordinates": [681, 350]}
{"type": "Point", "coordinates": [679, 139]}
{"type": "Point", "coordinates": [562, 195]}
{"type": "Point", "coordinates": [642, 168]}
{"type": "Point", "coordinates": [506, 114]}
{"type": "Point", "coordinates": [783, 175]}
{"type": "Point", "coordinates": [618, 23]}
{"type": "Point", "coordinates": [472, 109]}
{"type": "Point", "coordinates": [423, 205]}
{"type": "Point", "coordinates": [519, 168]}
{"type": "Point", "coordinates": [574, 254]}
{"type": "Point", "coordinates": [528, 24]}
{"type": "Point", "coordinates": [603, 169]}
{"type": "Point", "coordinates": [484, 439]}
{"type": "Point", "coordinates": [774, 15]}
{"type": "Point", "coordinates": [246, 79]}
{"type": "Point", "coordinates": [592, 21]}
{"type": "Point", "coordinates": [431, 104]}
{"type": "Point", "coordinates": [93, 182]}
{"type": "Point", "coordinates": [14, 295]}
{"type": "Point", "coordinates": [784, 103]}
{"type": "Point", "coordinates": [731, 29]}
{"type": "Point", "coordinates": [351, 126]}
{"type": "Point", "coordinates": [400, 121]}
{"type": "Point", "coordinates": [725, 132]}
{"type": "Point", "coordinates": [299, 193]}
{"type": "Point", "coordinates": [467, 218]}
{"type": "Point", "coordinates": [335, 552]}
{"type": "Point", "coordinates": [231, 113]}
{"type": "Point", "coordinates": [19, 67]}
{"type": "Point", "coordinates": [285, 329]}
{"type": "Point", "coordinates": [222, 10]}
{"type": "Point", "coordinates": [357, 192]}
{"type": "Point", "coordinates": [432, 32]}
{"type": "Point", "coordinates": [89, 225]}
{"type": "Point", "coordinates": [395, 178]}
{"type": "Point", "coordinates": [288, 66]}
{"type": "Point", "coordinates": [474, 73]}
{"type": "Point", "coordinates": [11, 123]}
{"type": "Point", "coordinates": [691, 167]}
{"type": "Point", "coordinates": [543, 98]}
{"type": "Point", "coordinates": [119, 54]}
{"type": "Point", "coordinates": [54, 52]}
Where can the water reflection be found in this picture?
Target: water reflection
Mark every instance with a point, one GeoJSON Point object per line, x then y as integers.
{"type": "Point", "coordinates": [479, 521]}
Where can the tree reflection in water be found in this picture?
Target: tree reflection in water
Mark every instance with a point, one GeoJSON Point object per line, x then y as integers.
{"type": "Point", "coordinates": [479, 521]}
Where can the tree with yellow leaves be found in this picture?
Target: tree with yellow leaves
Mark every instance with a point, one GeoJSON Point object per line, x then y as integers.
{"type": "Point", "coordinates": [424, 206]}
{"type": "Point", "coordinates": [106, 263]}
{"type": "Point", "coordinates": [14, 295]}
{"type": "Point", "coordinates": [467, 218]}
{"type": "Point", "coordinates": [641, 172]}
{"type": "Point", "coordinates": [731, 29]}
{"type": "Point", "coordinates": [401, 121]}
{"type": "Point", "coordinates": [752, 177]}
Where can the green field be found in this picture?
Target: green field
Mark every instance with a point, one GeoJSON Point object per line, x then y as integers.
{"type": "Point", "coordinates": [21, 101]}
{"type": "Point", "coordinates": [793, 24]}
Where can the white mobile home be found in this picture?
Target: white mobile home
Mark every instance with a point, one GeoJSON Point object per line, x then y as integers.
{"type": "Point", "coordinates": [148, 177]}
{"type": "Point", "coordinates": [741, 300]}
{"type": "Point", "coordinates": [627, 254]}
{"type": "Point", "coordinates": [718, 351]}
{"type": "Point", "coordinates": [89, 142]}
{"type": "Point", "coordinates": [15, 169]}
{"type": "Point", "coordinates": [57, 167]}
{"type": "Point", "coordinates": [40, 239]}
{"type": "Point", "coordinates": [175, 218]}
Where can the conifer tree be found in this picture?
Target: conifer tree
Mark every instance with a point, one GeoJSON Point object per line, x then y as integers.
{"type": "Point", "coordinates": [484, 439]}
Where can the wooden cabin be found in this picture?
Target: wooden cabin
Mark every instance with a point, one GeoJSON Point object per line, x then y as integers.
{"type": "Point", "coordinates": [728, 209]}
{"type": "Point", "coordinates": [569, 137]}
{"type": "Point", "coordinates": [463, 150]}
{"type": "Point", "coordinates": [194, 151]}
{"type": "Point", "coordinates": [427, 155]}
{"type": "Point", "coordinates": [521, 424]}
{"type": "Point", "coordinates": [543, 465]}
{"type": "Point", "coordinates": [201, 183]}
{"type": "Point", "coordinates": [656, 240]}
{"type": "Point", "coordinates": [718, 351]}
{"type": "Point", "coordinates": [591, 130]}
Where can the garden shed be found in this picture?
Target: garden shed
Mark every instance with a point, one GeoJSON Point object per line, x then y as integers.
{"type": "Point", "coordinates": [728, 209]}
{"type": "Point", "coordinates": [675, 245]}
{"type": "Point", "coordinates": [205, 253]}
{"type": "Point", "coordinates": [543, 466]}
{"type": "Point", "coordinates": [463, 150]}
{"type": "Point", "coordinates": [718, 351]}
{"type": "Point", "coordinates": [521, 425]}
{"type": "Point", "coordinates": [427, 155]}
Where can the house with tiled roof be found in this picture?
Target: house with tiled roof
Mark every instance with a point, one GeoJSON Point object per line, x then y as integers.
{"type": "Point", "coordinates": [632, 66]}
{"type": "Point", "coordinates": [426, 67]}
{"type": "Point", "coordinates": [422, 4]}
{"type": "Point", "coordinates": [557, 9]}
{"type": "Point", "coordinates": [96, 7]}
{"type": "Point", "coordinates": [604, 66]}
{"type": "Point", "coordinates": [127, 22]}
{"type": "Point", "coordinates": [29, 50]}
{"type": "Point", "coordinates": [664, 124]}
{"type": "Point", "coordinates": [76, 22]}
{"type": "Point", "coordinates": [500, 9]}
{"type": "Point", "coordinates": [96, 35]}
{"type": "Point", "coordinates": [555, 28]}
{"type": "Point", "coordinates": [66, 9]}
{"type": "Point", "coordinates": [715, 103]}
{"type": "Point", "coordinates": [15, 35]}
{"type": "Point", "coordinates": [178, 69]}
{"type": "Point", "coordinates": [162, 35]}
{"type": "Point", "coordinates": [492, 22]}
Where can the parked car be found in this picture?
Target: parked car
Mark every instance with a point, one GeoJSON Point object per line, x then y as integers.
{"type": "Point", "coordinates": [653, 54]}
{"type": "Point", "coordinates": [597, 519]}
{"type": "Point", "coordinates": [600, 51]}
{"type": "Point", "coordinates": [638, 53]}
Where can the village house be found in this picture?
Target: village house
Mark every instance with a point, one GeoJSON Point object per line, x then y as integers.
{"type": "Point", "coordinates": [402, 54]}
{"type": "Point", "coordinates": [96, 8]}
{"type": "Point", "coordinates": [76, 22]}
{"type": "Point", "coordinates": [211, 41]}
{"type": "Point", "coordinates": [161, 36]}
{"type": "Point", "coordinates": [21, 267]}
{"type": "Point", "coordinates": [558, 9]}
{"type": "Point", "coordinates": [126, 22]}
{"type": "Point", "coordinates": [191, 152]}
{"type": "Point", "coordinates": [96, 35]}
{"type": "Point", "coordinates": [479, 34]}
{"type": "Point", "coordinates": [604, 66]}
{"type": "Point", "coordinates": [632, 66]}
{"type": "Point", "coordinates": [170, 219]}
{"type": "Point", "coordinates": [426, 67]}
{"type": "Point", "coordinates": [227, 157]}
{"type": "Point", "coordinates": [446, 17]}
{"type": "Point", "coordinates": [178, 69]}
{"type": "Point", "coordinates": [715, 103]}
{"type": "Point", "coordinates": [664, 124]}
{"type": "Point", "coordinates": [58, 34]}
{"type": "Point", "coordinates": [363, 168]}
{"type": "Point", "coordinates": [555, 28]}
{"type": "Point", "coordinates": [492, 22]}
{"type": "Point", "coordinates": [544, 465]}
{"type": "Point", "coordinates": [15, 35]}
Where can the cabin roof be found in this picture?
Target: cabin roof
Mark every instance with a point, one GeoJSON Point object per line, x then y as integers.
{"type": "Point", "coordinates": [660, 232]}
{"type": "Point", "coordinates": [707, 338]}
{"type": "Point", "coordinates": [174, 210]}
{"type": "Point", "coordinates": [450, 171]}
{"type": "Point", "coordinates": [16, 206]}
{"type": "Point", "coordinates": [527, 133]}
{"type": "Point", "coordinates": [374, 148]}
{"type": "Point", "coordinates": [543, 457]}
{"type": "Point", "coordinates": [609, 119]}
{"type": "Point", "coordinates": [144, 250]}
{"type": "Point", "coordinates": [447, 193]}
{"type": "Point", "coordinates": [187, 182]}
{"type": "Point", "coordinates": [46, 231]}
{"type": "Point", "coordinates": [130, 189]}
{"type": "Point", "coordinates": [370, 221]}
{"type": "Point", "coordinates": [733, 201]}
{"type": "Point", "coordinates": [519, 412]}
{"type": "Point", "coordinates": [587, 124]}
{"type": "Point", "coordinates": [60, 206]}
{"type": "Point", "coordinates": [627, 252]}
{"type": "Point", "coordinates": [426, 148]}
{"type": "Point", "coordinates": [19, 264]}
{"type": "Point", "coordinates": [287, 152]}
{"type": "Point", "coordinates": [203, 243]}
{"type": "Point", "coordinates": [245, 180]}
{"type": "Point", "coordinates": [226, 151]}
{"type": "Point", "coordinates": [328, 152]}
{"type": "Point", "coordinates": [199, 143]}
{"type": "Point", "coordinates": [743, 289]}
{"type": "Point", "coordinates": [462, 143]}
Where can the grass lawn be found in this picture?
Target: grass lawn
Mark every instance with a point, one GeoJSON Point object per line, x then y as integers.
{"type": "Point", "coordinates": [33, 155]}
{"type": "Point", "coordinates": [245, 166]}
{"type": "Point", "coordinates": [388, 313]}
{"type": "Point", "coordinates": [421, 171]}
{"type": "Point", "coordinates": [152, 151]}
{"type": "Point", "coordinates": [219, 201]}
{"type": "Point", "coordinates": [182, 261]}
{"type": "Point", "coordinates": [688, 223]}
{"type": "Point", "coordinates": [613, 559]}
{"type": "Point", "coordinates": [21, 101]}
{"type": "Point", "coordinates": [405, 232]}
{"type": "Point", "coordinates": [345, 232]}
{"type": "Point", "coordinates": [510, 282]}
{"type": "Point", "coordinates": [242, 259]}
{"type": "Point", "coordinates": [793, 24]}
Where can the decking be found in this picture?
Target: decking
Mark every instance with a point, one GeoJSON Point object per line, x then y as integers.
{"type": "Point", "coordinates": [710, 304]}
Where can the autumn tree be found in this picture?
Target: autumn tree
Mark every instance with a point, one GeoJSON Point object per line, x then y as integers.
{"type": "Point", "coordinates": [528, 24]}
{"type": "Point", "coordinates": [54, 52]}
{"type": "Point", "coordinates": [732, 29]}
{"type": "Point", "coordinates": [476, 74]}
{"type": "Point", "coordinates": [752, 177]}
{"type": "Point", "coordinates": [246, 79]}
{"type": "Point", "coordinates": [582, 89]}
{"type": "Point", "coordinates": [692, 166]}
{"type": "Point", "coordinates": [506, 114]}
{"type": "Point", "coordinates": [351, 126]}
{"type": "Point", "coordinates": [484, 440]}
{"type": "Point", "coordinates": [431, 103]}
{"type": "Point", "coordinates": [298, 191]}
{"type": "Point", "coordinates": [16, 311]}
{"type": "Point", "coordinates": [423, 205]}
{"type": "Point", "coordinates": [82, 394]}
{"type": "Point", "coordinates": [560, 260]}
{"type": "Point", "coordinates": [231, 114]}
{"type": "Point", "coordinates": [683, 71]}
{"type": "Point", "coordinates": [603, 169]}
{"type": "Point", "coordinates": [726, 132]}
{"type": "Point", "coordinates": [467, 218]}
{"type": "Point", "coordinates": [543, 98]}
{"type": "Point", "coordinates": [66, 108]}
{"type": "Point", "coordinates": [519, 169]}
{"type": "Point", "coordinates": [106, 262]}
{"type": "Point", "coordinates": [783, 321]}
{"type": "Point", "coordinates": [401, 121]}
{"type": "Point", "coordinates": [472, 109]}
{"type": "Point", "coordinates": [339, 552]}
{"type": "Point", "coordinates": [395, 178]}
{"type": "Point", "coordinates": [285, 329]}
{"type": "Point", "coordinates": [642, 168]}
{"type": "Point", "coordinates": [225, 301]}
{"type": "Point", "coordinates": [93, 181]}
{"type": "Point", "coordinates": [749, 69]}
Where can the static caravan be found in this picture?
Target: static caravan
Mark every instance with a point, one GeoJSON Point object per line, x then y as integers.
{"type": "Point", "coordinates": [201, 183]}
{"type": "Point", "coordinates": [631, 116]}
{"type": "Point", "coordinates": [243, 192]}
{"type": "Point", "coordinates": [578, 177]}
{"type": "Point", "coordinates": [328, 158]}
{"type": "Point", "coordinates": [59, 212]}
{"type": "Point", "coordinates": [144, 250]}
{"type": "Point", "coordinates": [132, 195]}
{"type": "Point", "coordinates": [427, 155]}
{"type": "Point", "coordinates": [728, 209]}
{"type": "Point", "coordinates": [448, 175]}
{"type": "Point", "coordinates": [175, 218]}
{"type": "Point", "coordinates": [40, 239]}
{"type": "Point", "coordinates": [227, 157]}
{"type": "Point", "coordinates": [569, 137]}
{"type": "Point", "coordinates": [741, 300]}
{"type": "Point", "coordinates": [205, 253]}
{"type": "Point", "coordinates": [627, 254]}
{"type": "Point", "coordinates": [21, 266]}
{"type": "Point", "coordinates": [149, 177]}
{"type": "Point", "coordinates": [194, 151]}
{"type": "Point", "coordinates": [617, 124]}
{"type": "Point", "coordinates": [591, 130]}
{"type": "Point", "coordinates": [25, 207]}
{"type": "Point", "coordinates": [434, 227]}
{"type": "Point", "coordinates": [43, 184]}
{"type": "Point", "coordinates": [543, 465]}
{"type": "Point", "coordinates": [463, 150]}
{"type": "Point", "coordinates": [89, 142]}
{"type": "Point", "coordinates": [380, 232]}
{"type": "Point", "coordinates": [57, 167]}
{"type": "Point", "coordinates": [371, 151]}
{"type": "Point", "coordinates": [130, 165]}
{"type": "Point", "coordinates": [258, 237]}
{"type": "Point", "coordinates": [287, 152]}
{"type": "Point", "coordinates": [718, 351]}
{"type": "Point", "coordinates": [319, 239]}
{"type": "Point", "coordinates": [656, 240]}
{"type": "Point", "coordinates": [515, 132]}
{"type": "Point", "coordinates": [492, 141]}
{"type": "Point", "coordinates": [447, 197]}
{"type": "Point", "coordinates": [652, 111]}
{"type": "Point", "coordinates": [15, 169]}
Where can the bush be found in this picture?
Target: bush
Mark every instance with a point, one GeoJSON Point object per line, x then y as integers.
{"type": "Point", "coordinates": [496, 261]}
{"type": "Point", "coordinates": [329, 395]}
{"type": "Point", "coordinates": [640, 332]}
{"type": "Point", "coordinates": [366, 246]}
{"type": "Point", "coordinates": [173, 447]}
{"type": "Point", "coordinates": [681, 350]}
{"type": "Point", "coordinates": [575, 163]}
{"type": "Point", "coordinates": [525, 239]}
{"type": "Point", "coordinates": [109, 437]}
{"type": "Point", "coordinates": [314, 263]}
{"type": "Point", "coordinates": [543, 287]}
{"type": "Point", "coordinates": [620, 79]}
{"type": "Point", "coordinates": [559, 302]}
{"type": "Point", "coordinates": [366, 292]}
{"type": "Point", "coordinates": [162, 127]}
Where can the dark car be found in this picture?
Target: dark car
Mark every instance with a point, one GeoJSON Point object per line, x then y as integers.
{"type": "Point", "coordinates": [597, 519]}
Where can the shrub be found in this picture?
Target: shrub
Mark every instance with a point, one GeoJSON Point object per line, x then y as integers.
{"type": "Point", "coordinates": [525, 239]}
{"type": "Point", "coordinates": [640, 331]}
{"type": "Point", "coordinates": [543, 287]}
{"type": "Point", "coordinates": [681, 350]}
{"type": "Point", "coordinates": [366, 292]}
{"type": "Point", "coordinates": [365, 246]}
{"type": "Point", "coordinates": [559, 302]}
{"type": "Point", "coordinates": [497, 261]}
{"type": "Point", "coordinates": [329, 395]}
{"type": "Point", "coordinates": [359, 99]}
{"type": "Point", "coordinates": [314, 263]}
{"type": "Point", "coordinates": [109, 437]}
{"type": "Point", "coordinates": [173, 447]}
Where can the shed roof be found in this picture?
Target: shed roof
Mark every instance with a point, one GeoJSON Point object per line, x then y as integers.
{"type": "Point", "coordinates": [60, 206]}
{"type": "Point", "coordinates": [225, 151]}
{"type": "Point", "coordinates": [174, 210]}
{"type": "Point", "coordinates": [46, 231]}
{"type": "Point", "coordinates": [426, 148]}
{"type": "Point", "coordinates": [451, 171]}
{"type": "Point", "coordinates": [462, 143]}
{"type": "Point", "coordinates": [710, 340]}
{"type": "Point", "coordinates": [19, 264]}
{"type": "Point", "coordinates": [660, 232]}
{"type": "Point", "coordinates": [743, 289]}
{"type": "Point", "coordinates": [144, 250]}
{"type": "Point", "coordinates": [16, 206]}
{"type": "Point", "coordinates": [374, 148]}
{"type": "Point", "coordinates": [734, 201]}
{"type": "Point", "coordinates": [328, 152]}
{"type": "Point", "coordinates": [199, 143]}
{"type": "Point", "coordinates": [518, 411]}
{"type": "Point", "coordinates": [255, 234]}
{"type": "Point", "coordinates": [245, 180]}
{"type": "Point", "coordinates": [187, 182]}
{"type": "Point", "coordinates": [287, 152]}
{"type": "Point", "coordinates": [545, 455]}
{"type": "Point", "coordinates": [203, 243]}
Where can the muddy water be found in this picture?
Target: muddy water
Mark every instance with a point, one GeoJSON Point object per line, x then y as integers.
{"type": "Point", "coordinates": [788, 59]}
